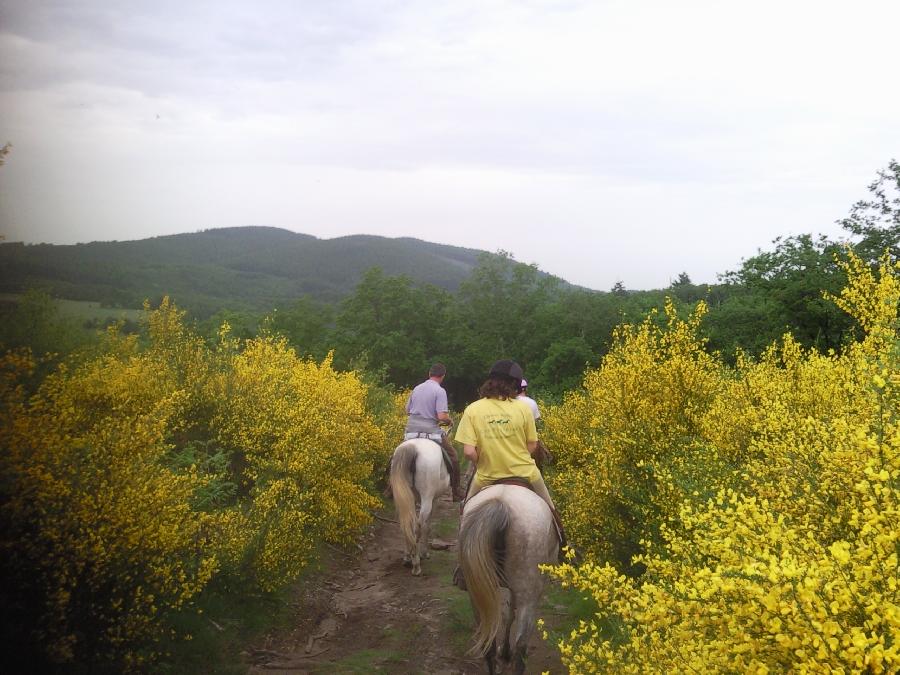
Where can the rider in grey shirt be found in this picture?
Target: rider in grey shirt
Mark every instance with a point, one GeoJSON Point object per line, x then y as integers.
{"type": "Point", "coordinates": [427, 409]}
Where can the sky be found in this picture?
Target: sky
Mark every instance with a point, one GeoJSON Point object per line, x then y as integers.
{"type": "Point", "coordinates": [605, 141]}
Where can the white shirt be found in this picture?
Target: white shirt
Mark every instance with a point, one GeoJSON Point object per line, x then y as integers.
{"type": "Point", "coordinates": [531, 403]}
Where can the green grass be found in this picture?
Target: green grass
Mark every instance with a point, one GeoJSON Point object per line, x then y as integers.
{"type": "Point", "coordinates": [366, 661]}
{"type": "Point", "coordinates": [85, 311]}
{"type": "Point", "coordinates": [392, 649]}
{"type": "Point", "coordinates": [564, 608]}
{"type": "Point", "coordinates": [82, 310]}
{"type": "Point", "coordinates": [445, 528]}
{"type": "Point", "coordinates": [458, 619]}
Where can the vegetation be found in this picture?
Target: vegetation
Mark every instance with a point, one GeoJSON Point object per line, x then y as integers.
{"type": "Point", "coordinates": [136, 475]}
{"type": "Point", "coordinates": [727, 456]}
{"type": "Point", "coordinates": [243, 268]}
{"type": "Point", "coordinates": [756, 509]}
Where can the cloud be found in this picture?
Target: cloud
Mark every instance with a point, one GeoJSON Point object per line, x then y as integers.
{"type": "Point", "coordinates": [629, 127]}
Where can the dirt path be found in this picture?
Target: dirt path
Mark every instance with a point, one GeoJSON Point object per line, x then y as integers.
{"type": "Point", "coordinates": [365, 613]}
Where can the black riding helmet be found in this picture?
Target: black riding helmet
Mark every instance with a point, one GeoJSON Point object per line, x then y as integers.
{"type": "Point", "coordinates": [507, 368]}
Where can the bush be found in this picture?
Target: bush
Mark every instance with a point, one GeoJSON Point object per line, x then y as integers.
{"type": "Point", "coordinates": [791, 564]}
{"type": "Point", "coordinates": [131, 480]}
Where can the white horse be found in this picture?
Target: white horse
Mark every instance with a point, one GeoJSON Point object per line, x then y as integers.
{"type": "Point", "coordinates": [506, 532]}
{"type": "Point", "coordinates": [417, 471]}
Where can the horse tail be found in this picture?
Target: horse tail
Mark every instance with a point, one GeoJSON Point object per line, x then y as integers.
{"type": "Point", "coordinates": [483, 533]}
{"type": "Point", "coordinates": [402, 467]}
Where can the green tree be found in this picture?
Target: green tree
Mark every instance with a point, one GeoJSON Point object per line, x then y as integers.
{"type": "Point", "coordinates": [686, 291]}
{"type": "Point", "coordinates": [393, 326]}
{"type": "Point", "coordinates": [307, 325]}
{"type": "Point", "coordinates": [35, 322]}
{"type": "Point", "coordinates": [877, 220]}
{"type": "Point", "coordinates": [499, 314]}
{"type": "Point", "coordinates": [781, 291]}
{"type": "Point", "coordinates": [563, 367]}
{"type": "Point", "coordinates": [244, 325]}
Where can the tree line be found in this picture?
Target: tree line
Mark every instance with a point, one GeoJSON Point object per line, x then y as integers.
{"type": "Point", "coordinates": [392, 327]}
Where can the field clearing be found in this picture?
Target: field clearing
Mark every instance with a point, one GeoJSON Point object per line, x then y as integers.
{"type": "Point", "coordinates": [84, 310]}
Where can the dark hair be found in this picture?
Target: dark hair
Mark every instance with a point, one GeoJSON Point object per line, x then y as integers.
{"type": "Point", "coordinates": [437, 370]}
{"type": "Point", "coordinates": [502, 387]}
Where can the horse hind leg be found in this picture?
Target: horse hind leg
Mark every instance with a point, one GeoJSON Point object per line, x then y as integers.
{"type": "Point", "coordinates": [519, 635]}
{"type": "Point", "coordinates": [421, 544]}
{"type": "Point", "coordinates": [410, 557]}
{"type": "Point", "coordinates": [490, 659]}
{"type": "Point", "coordinates": [415, 559]}
{"type": "Point", "coordinates": [506, 617]}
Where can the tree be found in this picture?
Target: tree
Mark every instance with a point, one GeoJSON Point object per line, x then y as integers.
{"type": "Point", "coordinates": [686, 291]}
{"type": "Point", "coordinates": [306, 324]}
{"type": "Point", "coordinates": [35, 322]}
{"type": "Point", "coordinates": [877, 221]}
{"type": "Point", "coordinates": [393, 326]}
{"type": "Point", "coordinates": [499, 315]}
{"type": "Point", "coordinates": [781, 291]}
{"type": "Point", "coordinates": [564, 366]}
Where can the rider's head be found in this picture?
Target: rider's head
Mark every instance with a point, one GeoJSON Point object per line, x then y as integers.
{"type": "Point", "coordinates": [437, 370]}
{"type": "Point", "coordinates": [503, 381]}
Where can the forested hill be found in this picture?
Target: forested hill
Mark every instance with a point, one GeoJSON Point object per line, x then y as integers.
{"type": "Point", "coordinates": [253, 268]}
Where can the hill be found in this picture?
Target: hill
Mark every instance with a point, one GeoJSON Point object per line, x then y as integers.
{"type": "Point", "coordinates": [250, 268]}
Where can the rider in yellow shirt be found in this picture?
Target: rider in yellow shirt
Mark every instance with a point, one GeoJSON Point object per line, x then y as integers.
{"type": "Point", "coordinates": [498, 433]}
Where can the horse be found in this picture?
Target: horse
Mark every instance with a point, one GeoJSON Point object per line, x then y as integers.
{"type": "Point", "coordinates": [417, 470]}
{"type": "Point", "coordinates": [506, 532]}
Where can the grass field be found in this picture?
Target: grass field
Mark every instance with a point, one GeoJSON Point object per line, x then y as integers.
{"type": "Point", "coordinates": [82, 310]}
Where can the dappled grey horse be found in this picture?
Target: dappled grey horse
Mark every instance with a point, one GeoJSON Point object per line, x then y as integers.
{"type": "Point", "coordinates": [417, 470]}
{"type": "Point", "coordinates": [506, 532]}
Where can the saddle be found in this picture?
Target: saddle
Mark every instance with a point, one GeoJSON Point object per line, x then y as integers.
{"type": "Point", "coordinates": [514, 480]}
{"type": "Point", "coordinates": [437, 438]}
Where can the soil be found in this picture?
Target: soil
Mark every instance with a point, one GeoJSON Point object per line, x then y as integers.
{"type": "Point", "coordinates": [365, 613]}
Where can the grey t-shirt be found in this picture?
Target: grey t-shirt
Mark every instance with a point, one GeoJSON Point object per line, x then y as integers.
{"type": "Point", "coordinates": [425, 402]}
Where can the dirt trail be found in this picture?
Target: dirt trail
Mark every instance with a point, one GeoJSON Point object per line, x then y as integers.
{"type": "Point", "coordinates": [365, 613]}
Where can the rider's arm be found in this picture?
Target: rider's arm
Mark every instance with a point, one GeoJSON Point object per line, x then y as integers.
{"type": "Point", "coordinates": [471, 453]}
{"type": "Point", "coordinates": [444, 417]}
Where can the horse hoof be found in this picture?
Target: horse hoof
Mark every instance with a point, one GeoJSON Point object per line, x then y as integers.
{"type": "Point", "coordinates": [407, 562]}
{"type": "Point", "coordinates": [417, 571]}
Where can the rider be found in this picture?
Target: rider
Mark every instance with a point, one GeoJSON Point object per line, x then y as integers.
{"type": "Point", "coordinates": [542, 455]}
{"type": "Point", "coordinates": [428, 412]}
{"type": "Point", "coordinates": [498, 433]}
{"type": "Point", "coordinates": [527, 400]}
{"type": "Point", "coordinates": [500, 438]}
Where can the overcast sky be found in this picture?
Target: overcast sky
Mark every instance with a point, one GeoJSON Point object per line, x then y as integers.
{"type": "Point", "coordinates": [604, 141]}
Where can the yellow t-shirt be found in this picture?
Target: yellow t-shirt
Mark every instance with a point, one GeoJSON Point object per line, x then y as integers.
{"type": "Point", "coordinates": [500, 431]}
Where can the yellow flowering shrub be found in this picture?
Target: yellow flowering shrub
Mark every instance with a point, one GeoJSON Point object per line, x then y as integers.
{"type": "Point", "coordinates": [792, 565]}
{"type": "Point", "coordinates": [634, 421]}
{"type": "Point", "coordinates": [91, 515]}
{"type": "Point", "coordinates": [310, 449]}
{"type": "Point", "coordinates": [133, 478]}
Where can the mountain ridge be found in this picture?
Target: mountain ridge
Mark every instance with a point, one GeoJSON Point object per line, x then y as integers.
{"type": "Point", "coordinates": [242, 268]}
